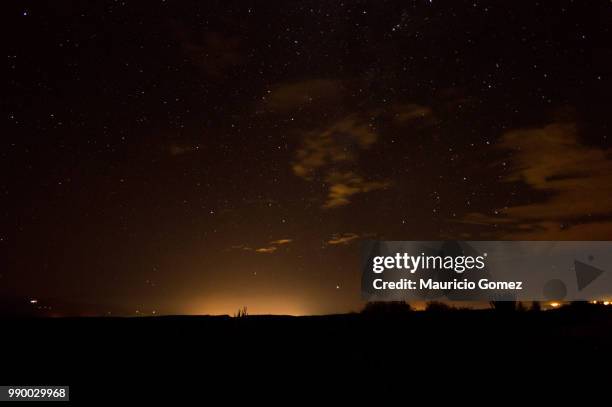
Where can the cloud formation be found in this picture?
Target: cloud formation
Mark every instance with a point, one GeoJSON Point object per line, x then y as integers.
{"type": "Point", "coordinates": [577, 179]}
{"type": "Point", "coordinates": [331, 155]}
{"type": "Point", "coordinates": [338, 143]}
{"type": "Point", "coordinates": [342, 239]}
{"type": "Point", "coordinates": [343, 185]}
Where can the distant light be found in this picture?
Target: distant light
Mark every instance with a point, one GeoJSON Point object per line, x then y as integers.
{"type": "Point", "coordinates": [554, 304]}
{"type": "Point", "coordinates": [606, 302]}
{"type": "Point", "coordinates": [593, 302]}
{"type": "Point", "coordinates": [33, 301]}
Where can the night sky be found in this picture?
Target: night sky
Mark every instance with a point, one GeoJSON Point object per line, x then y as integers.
{"type": "Point", "coordinates": [197, 157]}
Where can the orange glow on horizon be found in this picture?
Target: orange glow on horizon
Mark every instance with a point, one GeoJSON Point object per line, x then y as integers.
{"type": "Point", "coordinates": [255, 306]}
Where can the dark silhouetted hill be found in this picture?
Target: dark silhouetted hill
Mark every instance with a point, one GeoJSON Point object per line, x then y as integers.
{"type": "Point", "coordinates": [344, 354]}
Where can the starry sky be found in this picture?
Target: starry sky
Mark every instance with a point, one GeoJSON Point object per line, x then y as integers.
{"type": "Point", "coordinates": [197, 157]}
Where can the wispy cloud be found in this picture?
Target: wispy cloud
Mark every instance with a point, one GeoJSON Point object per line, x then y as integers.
{"type": "Point", "coordinates": [342, 239]}
{"type": "Point", "coordinates": [270, 249]}
{"type": "Point", "coordinates": [272, 246]}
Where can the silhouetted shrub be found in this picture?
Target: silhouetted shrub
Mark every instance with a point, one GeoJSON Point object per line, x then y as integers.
{"type": "Point", "coordinates": [535, 306]}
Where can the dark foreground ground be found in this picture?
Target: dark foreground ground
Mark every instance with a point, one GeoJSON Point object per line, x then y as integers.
{"type": "Point", "coordinates": [435, 355]}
